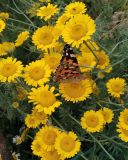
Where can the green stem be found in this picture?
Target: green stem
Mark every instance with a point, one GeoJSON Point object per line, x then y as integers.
{"type": "Point", "coordinates": [97, 60]}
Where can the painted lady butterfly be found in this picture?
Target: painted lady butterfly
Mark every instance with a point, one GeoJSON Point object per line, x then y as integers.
{"type": "Point", "coordinates": [68, 70]}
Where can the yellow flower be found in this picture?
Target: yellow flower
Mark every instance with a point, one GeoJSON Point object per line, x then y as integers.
{"type": "Point", "coordinates": [78, 29]}
{"type": "Point", "coordinates": [107, 114]}
{"type": "Point", "coordinates": [46, 12]}
{"type": "Point", "coordinates": [53, 60]}
{"type": "Point", "coordinates": [123, 119]}
{"type": "Point", "coordinates": [62, 20]}
{"type": "Point", "coordinates": [22, 37]}
{"type": "Point", "coordinates": [4, 16]}
{"type": "Point", "coordinates": [76, 91]}
{"type": "Point", "coordinates": [44, 99]}
{"type": "Point", "coordinates": [58, 48]}
{"type": "Point", "coordinates": [92, 121]}
{"type": "Point", "coordinates": [45, 0]}
{"type": "Point", "coordinates": [10, 69]}
{"type": "Point", "coordinates": [6, 47]}
{"type": "Point", "coordinates": [91, 44]}
{"type": "Point", "coordinates": [31, 121]}
{"type": "Point", "coordinates": [86, 62]}
{"type": "Point", "coordinates": [75, 8]}
{"type": "Point", "coordinates": [103, 60]}
{"type": "Point", "coordinates": [51, 155]}
{"type": "Point", "coordinates": [37, 148]}
{"type": "Point", "coordinates": [37, 73]}
{"type": "Point", "coordinates": [47, 136]}
{"type": "Point", "coordinates": [45, 37]}
{"type": "Point", "coordinates": [67, 144]}
{"type": "Point", "coordinates": [2, 25]}
{"type": "Point", "coordinates": [40, 116]}
{"type": "Point", "coordinates": [123, 133]}
{"type": "Point", "coordinates": [116, 86]}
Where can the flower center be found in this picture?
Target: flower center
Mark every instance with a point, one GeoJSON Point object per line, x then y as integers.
{"type": "Point", "coordinates": [74, 90]}
{"type": "Point", "coordinates": [49, 137]}
{"type": "Point", "coordinates": [36, 73]}
{"type": "Point", "coordinates": [75, 10]}
{"type": "Point", "coordinates": [53, 62]}
{"type": "Point", "coordinates": [67, 144]}
{"type": "Point", "coordinates": [52, 155]}
{"type": "Point", "coordinates": [8, 70]}
{"type": "Point", "coordinates": [92, 121]}
{"type": "Point", "coordinates": [102, 60]}
{"type": "Point", "coordinates": [46, 38]}
{"type": "Point", "coordinates": [117, 87]}
{"type": "Point", "coordinates": [106, 115]}
{"type": "Point", "coordinates": [78, 31]}
{"type": "Point", "coordinates": [46, 98]}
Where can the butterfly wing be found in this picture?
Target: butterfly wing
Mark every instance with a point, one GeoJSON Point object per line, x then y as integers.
{"type": "Point", "coordinates": [68, 68]}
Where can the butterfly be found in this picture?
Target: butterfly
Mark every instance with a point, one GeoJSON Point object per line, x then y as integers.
{"type": "Point", "coordinates": [68, 70]}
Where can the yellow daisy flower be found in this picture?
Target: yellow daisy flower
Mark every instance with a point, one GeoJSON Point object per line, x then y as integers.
{"type": "Point", "coordinates": [123, 133]}
{"type": "Point", "coordinates": [92, 121]}
{"type": "Point", "coordinates": [37, 73]}
{"type": "Point", "coordinates": [6, 47]}
{"type": "Point", "coordinates": [4, 16]}
{"type": "Point", "coordinates": [45, 37]}
{"type": "Point", "coordinates": [53, 60]}
{"type": "Point", "coordinates": [62, 20]}
{"type": "Point", "coordinates": [78, 29]}
{"type": "Point", "coordinates": [91, 44]}
{"type": "Point", "coordinates": [103, 60]}
{"type": "Point", "coordinates": [41, 116]}
{"type": "Point", "coordinates": [45, 0]}
{"type": "Point", "coordinates": [31, 121]}
{"type": "Point", "coordinates": [37, 148]}
{"type": "Point", "coordinates": [51, 155]}
{"type": "Point", "coordinates": [123, 119]}
{"type": "Point", "coordinates": [2, 25]}
{"type": "Point", "coordinates": [75, 8]}
{"type": "Point", "coordinates": [107, 114]}
{"type": "Point", "coordinates": [67, 144]}
{"type": "Point", "coordinates": [10, 69]}
{"type": "Point", "coordinates": [86, 62]}
{"type": "Point", "coordinates": [44, 99]}
{"type": "Point", "coordinates": [116, 86]}
{"type": "Point", "coordinates": [76, 91]}
{"type": "Point", "coordinates": [22, 37]}
{"type": "Point", "coordinates": [47, 136]}
{"type": "Point", "coordinates": [46, 12]}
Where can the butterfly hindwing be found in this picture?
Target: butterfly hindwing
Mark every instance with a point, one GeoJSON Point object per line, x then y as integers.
{"type": "Point", "coordinates": [68, 68]}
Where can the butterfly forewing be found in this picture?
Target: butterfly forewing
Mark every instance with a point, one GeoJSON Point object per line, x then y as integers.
{"type": "Point", "coordinates": [68, 68]}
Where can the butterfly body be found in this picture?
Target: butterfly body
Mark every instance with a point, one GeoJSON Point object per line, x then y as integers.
{"type": "Point", "coordinates": [68, 70]}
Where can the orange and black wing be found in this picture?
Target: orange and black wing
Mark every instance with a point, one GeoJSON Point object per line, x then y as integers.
{"type": "Point", "coordinates": [68, 68]}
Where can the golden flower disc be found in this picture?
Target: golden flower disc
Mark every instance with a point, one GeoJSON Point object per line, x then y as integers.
{"type": "Point", "coordinates": [76, 91]}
